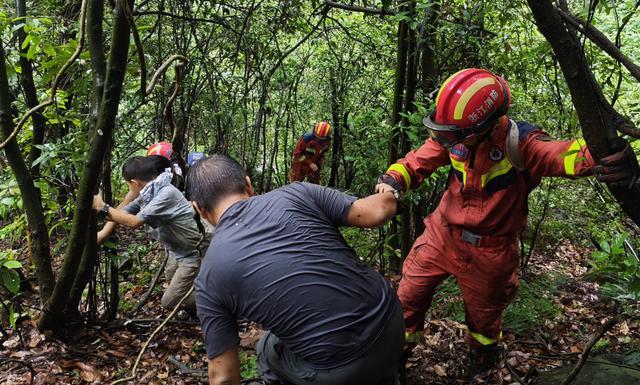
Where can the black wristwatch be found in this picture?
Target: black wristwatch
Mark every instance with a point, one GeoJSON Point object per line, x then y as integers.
{"type": "Point", "coordinates": [103, 212]}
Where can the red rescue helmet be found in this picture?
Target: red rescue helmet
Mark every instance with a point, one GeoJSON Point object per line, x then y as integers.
{"type": "Point", "coordinates": [322, 130]}
{"type": "Point", "coordinates": [161, 148]}
{"type": "Point", "coordinates": [468, 103]}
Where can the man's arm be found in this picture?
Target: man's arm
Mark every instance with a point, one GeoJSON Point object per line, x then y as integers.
{"type": "Point", "coordinates": [372, 211]}
{"type": "Point", "coordinates": [224, 369]}
{"type": "Point", "coordinates": [110, 226]}
{"type": "Point", "coordinates": [121, 217]}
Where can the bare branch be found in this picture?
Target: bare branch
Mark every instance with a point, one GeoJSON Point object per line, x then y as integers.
{"type": "Point", "coordinates": [602, 41]}
{"type": "Point", "coordinates": [163, 68]}
{"type": "Point", "coordinates": [585, 353]}
{"type": "Point", "coordinates": [56, 81]}
{"type": "Point", "coordinates": [217, 20]}
{"type": "Point", "coordinates": [365, 10]}
{"type": "Point", "coordinates": [136, 38]}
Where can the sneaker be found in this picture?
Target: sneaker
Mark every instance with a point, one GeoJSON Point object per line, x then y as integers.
{"type": "Point", "coordinates": [483, 359]}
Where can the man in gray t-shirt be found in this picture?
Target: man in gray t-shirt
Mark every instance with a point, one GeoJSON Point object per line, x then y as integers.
{"type": "Point", "coordinates": [153, 202]}
{"type": "Point", "coordinates": [279, 259]}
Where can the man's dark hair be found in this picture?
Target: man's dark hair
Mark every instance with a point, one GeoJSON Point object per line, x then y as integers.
{"type": "Point", "coordinates": [144, 168]}
{"type": "Point", "coordinates": [213, 178]}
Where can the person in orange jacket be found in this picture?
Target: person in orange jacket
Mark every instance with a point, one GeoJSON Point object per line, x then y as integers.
{"type": "Point", "coordinates": [308, 154]}
{"type": "Point", "coordinates": [495, 163]}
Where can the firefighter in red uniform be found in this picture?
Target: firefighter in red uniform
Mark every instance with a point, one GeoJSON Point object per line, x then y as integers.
{"type": "Point", "coordinates": [308, 155]}
{"type": "Point", "coordinates": [472, 235]}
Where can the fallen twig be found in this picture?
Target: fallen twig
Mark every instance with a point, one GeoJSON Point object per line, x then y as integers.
{"type": "Point", "coordinates": [25, 364]}
{"type": "Point", "coordinates": [585, 354]}
{"type": "Point", "coordinates": [514, 375]}
{"type": "Point", "coordinates": [146, 344]}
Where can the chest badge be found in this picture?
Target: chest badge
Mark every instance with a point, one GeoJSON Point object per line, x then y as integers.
{"type": "Point", "coordinates": [460, 151]}
{"type": "Point", "coordinates": [495, 154]}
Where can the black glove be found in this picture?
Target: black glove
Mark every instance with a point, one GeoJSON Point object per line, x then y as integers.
{"type": "Point", "coordinates": [620, 169]}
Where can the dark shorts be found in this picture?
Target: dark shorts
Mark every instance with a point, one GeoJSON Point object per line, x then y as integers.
{"type": "Point", "coordinates": [377, 366]}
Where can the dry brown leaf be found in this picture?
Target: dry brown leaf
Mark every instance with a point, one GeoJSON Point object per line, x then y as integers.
{"type": "Point", "coordinates": [88, 373]}
{"type": "Point", "coordinates": [624, 328]}
{"type": "Point", "coordinates": [148, 376]}
{"type": "Point", "coordinates": [439, 371]}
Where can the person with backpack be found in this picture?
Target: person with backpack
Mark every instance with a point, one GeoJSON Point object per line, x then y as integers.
{"type": "Point", "coordinates": [472, 235]}
{"type": "Point", "coordinates": [308, 154]}
{"type": "Point", "coordinates": [153, 202]}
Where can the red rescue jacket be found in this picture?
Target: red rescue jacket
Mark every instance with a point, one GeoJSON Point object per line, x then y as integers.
{"type": "Point", "coordinates": [309, 149]}
{"type": "Point", "coordinates": [486, 193]}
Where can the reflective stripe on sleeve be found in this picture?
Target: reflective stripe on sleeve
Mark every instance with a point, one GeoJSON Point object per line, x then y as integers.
{"type": "Point", "coordinates": [571, 156]}
{"type": "Point", "coordinates": [400, 169]}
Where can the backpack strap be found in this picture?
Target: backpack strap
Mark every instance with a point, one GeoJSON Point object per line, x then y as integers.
{"type": "Point", "coordinates": [512, 146]}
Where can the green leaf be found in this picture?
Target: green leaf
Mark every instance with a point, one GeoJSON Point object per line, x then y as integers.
{"type": "Point", "coordinates": [10, 280]}
{"type": "Point", "coordinates": [31, 53]}
{"type": "Point", "coordinates": [12, 264]}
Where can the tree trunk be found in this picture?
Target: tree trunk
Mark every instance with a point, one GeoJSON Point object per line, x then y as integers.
{"type": "Point", "coordinates": [409, 107]}
{"type": "Point", "coordinates": [52, 315]}
{"type": "Point", "coordinates": [30, 94]}
{"type": "Point", "coordinates": [395, 262]}
{"type": "Point", "coordinates": [95, 13]}
{"type": "Point", "coordinates": [31, 198]}
{"type": "Point", "coordinates": [597, 118]}
{"type": "Point", "coordinates": [336, 115]}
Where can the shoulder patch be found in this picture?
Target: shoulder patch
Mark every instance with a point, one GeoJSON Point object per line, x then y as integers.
{"type": "Point", "coordinates": [460, 151]}
{"type": "Point", "coordinates": [307, 136]}
{"type": "Point", "coordinates": [524, 129]}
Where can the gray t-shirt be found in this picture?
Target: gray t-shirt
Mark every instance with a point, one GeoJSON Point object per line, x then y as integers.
{"type": "Point", "coordinates": [278, 259]}
{"type": "Point", "coordinates": [169, 218]}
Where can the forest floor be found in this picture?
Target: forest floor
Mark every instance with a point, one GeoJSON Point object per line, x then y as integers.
{"type": "Point", "coordinates": [106, 351]}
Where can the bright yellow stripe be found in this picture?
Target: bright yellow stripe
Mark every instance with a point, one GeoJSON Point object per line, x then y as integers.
{"type": "Point", "coordinates": [484, 340]}
{"type": "Point", "coordinates": [458, 165]}
{"type": "Point", "coordinates": [397, 167]}
{"type": "Point", "coordinates": [445, 84]}
{"type": "Point", "coordinates": [499, 169]}
{"type": "Point", "coordinates": [571, 156]}
{"type": "Point", "coordinates": [414, 337]}
{"type": "Point", "coordinates": [468, 93]}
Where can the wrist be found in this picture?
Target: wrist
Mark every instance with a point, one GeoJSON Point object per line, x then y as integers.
{"type": "Point", "coordinates": [103, 213]}
{"type": "Point", "coordinates": [398, 197]}
{"type": "Point", "coordinates": [391, 181]}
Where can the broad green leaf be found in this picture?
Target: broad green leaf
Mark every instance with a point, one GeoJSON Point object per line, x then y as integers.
{"type": "Point", "coordinates": [12, 264]}
{"type": "Point", "coordinates": [10, 280]}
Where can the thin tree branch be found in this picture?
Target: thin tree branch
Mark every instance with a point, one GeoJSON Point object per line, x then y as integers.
{"type": "Point", "coordinates": [216, 20]}
{"type": "Point", "coordinates": [136, 38]}
{"type": "Point", "coordinates": [146, 344]}
{"type": "Point", "coordinates": [602, 41]}
{"type": "Point", "coordinates": [56, 81]}
{"type": "Point", "coordinates": [163, 68]}
{"type": "Point", "coordinates": [585, 354]}
{"type": "Point", "coordinates": [365, 10]}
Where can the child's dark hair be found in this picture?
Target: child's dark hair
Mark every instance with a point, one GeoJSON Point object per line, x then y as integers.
{"type": "Point", "coordinates": [144, 168]}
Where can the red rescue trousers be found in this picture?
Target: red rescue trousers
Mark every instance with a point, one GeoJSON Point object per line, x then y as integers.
{"type": "Point", "coordinates": [485, 272]}
{"type": "Point", "coordinates": [300, 171]}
